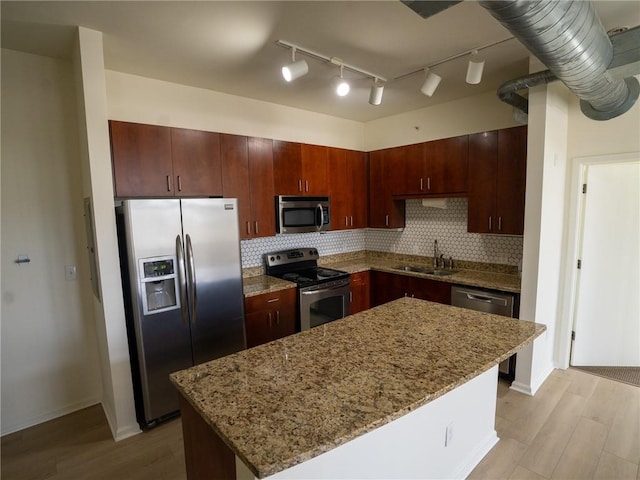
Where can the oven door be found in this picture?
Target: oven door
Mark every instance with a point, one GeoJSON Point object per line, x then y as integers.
{"type": "Point", "coordinates": [324, 303]}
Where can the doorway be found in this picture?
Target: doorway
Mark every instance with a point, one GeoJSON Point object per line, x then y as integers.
{"type": "Point", "coordinates": [605, 313]}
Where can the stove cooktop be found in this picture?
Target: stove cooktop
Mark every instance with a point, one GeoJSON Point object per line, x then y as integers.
{"type": "Point", "coordinates": [300, 266]}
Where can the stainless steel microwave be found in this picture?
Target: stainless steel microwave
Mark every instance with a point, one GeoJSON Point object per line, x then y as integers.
{"type": "Point", "coordinates": [302, 214]}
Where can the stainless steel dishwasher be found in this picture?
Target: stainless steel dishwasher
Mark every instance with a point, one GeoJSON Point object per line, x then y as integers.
{"type": "Point", "coordinates": [498, 303]}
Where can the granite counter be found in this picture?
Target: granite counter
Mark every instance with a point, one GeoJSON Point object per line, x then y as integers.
{"type": "Point", "coordinates": [285, 402]}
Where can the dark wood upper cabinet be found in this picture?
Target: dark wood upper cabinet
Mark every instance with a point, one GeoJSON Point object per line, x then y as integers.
{"type": "Point", "coordinates": [155, 161]}
{"type": "Point", "coordinates": [300, 169]}
{"type": "Point", "coordinates": [196, 162]}
{"type": "Point", "coordinates": [497, 175]}
{"type": "Point", "coordinates": [347, 175]}
{"type": "Point", "coordinates": [446, 162]}
{"type": "Point", "coordinates": [141, 160]}
{"type": "Point", "coordinates": [384, 211]}
{"type": "Point", "coordinates": [247, 174]}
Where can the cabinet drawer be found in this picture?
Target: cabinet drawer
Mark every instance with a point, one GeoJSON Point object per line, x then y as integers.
{"type": "Point", "coordinates": [272, 300]}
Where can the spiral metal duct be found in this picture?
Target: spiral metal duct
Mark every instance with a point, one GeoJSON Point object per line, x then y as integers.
{"type": "Point", "coordinates": [568, 37]}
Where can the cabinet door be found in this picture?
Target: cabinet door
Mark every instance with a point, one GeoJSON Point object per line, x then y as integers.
{"type": "Point", "coordinates": [360, 292]}
{"type": "Point", "coordinates": [415, 177]}
{"type": "Point", "coordinates": [339, 184]}
{"type": "Point", "coordinates": [447, 165]}
{"type": "Point", "coordinates": [483, 150]}
{"type": "Point", "coordinates": [261, 185]}
{"type": "Point", "coordinates": [314, 169]}
{"type": "Point", "coordinates": [384, 211]}
{"type": "Point", "coordinates": [285, 314]}
{"type": "Point", "coordinates": [141, 157]}
{"type": "Point", "coordinates": [358, 192]}
{"type": "Point", "coordinates": [386, 287]}
{"type": "Point", "coordinates": [511, 179]}
{"type": "Point", "coordinates": [432, 290]}
{"type": "Point", "coordinates": [235, 178]}
{"type": "Point", "coordinates": [287, 168]}
{"type": "Point", "coordinates": [258, 327]}
{"type": "Point", "coordinates": [196, 162]}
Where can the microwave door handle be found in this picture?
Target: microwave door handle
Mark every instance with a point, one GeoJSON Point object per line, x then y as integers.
{"type": "Point", "coordinates": [319, 218]}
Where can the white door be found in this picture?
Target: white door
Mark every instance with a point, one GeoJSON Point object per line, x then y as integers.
{"type": "Point", "coordinates": [607, 313]}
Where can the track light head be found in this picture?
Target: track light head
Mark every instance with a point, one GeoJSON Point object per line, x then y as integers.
{"type": "Point", "coordinates": [294, 69]}
{"type": "Point", "coordinates": [342, 86]}
{"type": "Point", "coordinates": [375, 95]}
{"type": "Point", "coordinates": [474, 69]}
{"type": "Point", "coordinates": [431, 82]}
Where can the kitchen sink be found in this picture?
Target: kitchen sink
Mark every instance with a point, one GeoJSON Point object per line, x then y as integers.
{"type": "Point", "coordinates": [427, 270]}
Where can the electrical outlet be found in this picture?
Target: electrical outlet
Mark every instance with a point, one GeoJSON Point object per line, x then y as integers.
{"type": "Point", "coordinates": [448, 435]}
{"type": "Point", "coordinates": [69, 273]}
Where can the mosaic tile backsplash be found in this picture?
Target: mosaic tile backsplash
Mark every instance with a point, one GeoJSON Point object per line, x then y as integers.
{"type": "Point", "coordinates": [423, 226]}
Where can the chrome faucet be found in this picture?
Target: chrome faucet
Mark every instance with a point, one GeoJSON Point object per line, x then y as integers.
{"type": "Point", "coordinates": [435, 254]}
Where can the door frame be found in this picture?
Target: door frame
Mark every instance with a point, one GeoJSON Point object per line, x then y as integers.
{"type": "Point", "coordinates": [573, 239]}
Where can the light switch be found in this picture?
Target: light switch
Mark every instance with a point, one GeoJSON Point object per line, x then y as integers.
{"type": "Point", "coordinates": [69, 273]}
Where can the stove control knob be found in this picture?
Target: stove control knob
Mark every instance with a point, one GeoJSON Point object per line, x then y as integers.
{"type": "Point", "coordinates": [278, 257]}
{"type": "Point", "coordinates": [271, 258]}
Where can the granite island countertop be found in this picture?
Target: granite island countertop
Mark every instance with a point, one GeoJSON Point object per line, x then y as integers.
{"type": "Point", "coordinates": [287, 401]}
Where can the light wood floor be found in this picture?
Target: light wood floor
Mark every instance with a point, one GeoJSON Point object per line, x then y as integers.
{"type": "Point", "coordinates": [578, 426]}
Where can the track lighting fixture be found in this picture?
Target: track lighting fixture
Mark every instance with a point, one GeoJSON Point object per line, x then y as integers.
{"type": "Point", "coordinates": [294, 69]}
{"type": "Point", "coordinates": [431, 82]}
{"type": "Point", "coordinates": [375, 95]}
{"type": "Point", "coordinates": [474, 69]}
{"type": "Point", "coordinates": [342, 86]}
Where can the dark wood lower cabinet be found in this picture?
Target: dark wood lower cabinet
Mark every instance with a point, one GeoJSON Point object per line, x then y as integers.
{"type": "Point", "coordinates": [205, 453]}
{"type": "Point", "coordinates": [386, 287]}
{"type": "Point", "coordinates": [270, 316]}
{"type": "Point", "coordinates": [360, 292]}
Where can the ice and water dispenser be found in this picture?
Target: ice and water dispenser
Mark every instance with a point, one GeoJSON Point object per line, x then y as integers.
{"type": "Point", "coordinates": [159, 282]}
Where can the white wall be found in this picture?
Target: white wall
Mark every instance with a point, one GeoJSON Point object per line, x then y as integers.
{"type": "Point", "coordinates": [49, 360]}
{"type": "Point", "coordinates": [543, 229]}
{"type": "Point", "coordinates": [95, 153]}
{"type": "Point", "coordinates": [586, 138]}
{"type": "Point", "coordinates": [137, 99]}
{"type": "Point", "coordinates": [473, 114]}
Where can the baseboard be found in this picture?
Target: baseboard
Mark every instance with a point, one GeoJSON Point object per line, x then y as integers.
{"type": "Point", "coordinates": [532, 388]}
{"type": "Point", "coordinates": [122, 432]}
{"type": "Point", "coordinates": [477, 455]}
{"type": "Point", "coordinates": [60, 412]}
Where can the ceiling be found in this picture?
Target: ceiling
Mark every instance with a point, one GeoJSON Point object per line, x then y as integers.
{"type": "Point", "coordinates": [230, 46]}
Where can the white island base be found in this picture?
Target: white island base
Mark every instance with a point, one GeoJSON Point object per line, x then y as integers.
{"type": "Point", "coordinates": [445, 438]}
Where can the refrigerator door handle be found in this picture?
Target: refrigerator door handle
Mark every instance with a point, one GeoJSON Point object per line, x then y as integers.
{"type": "Point", "coordinates": [191, 275]}
{"type": "Point", "coordinates": [182, 281]}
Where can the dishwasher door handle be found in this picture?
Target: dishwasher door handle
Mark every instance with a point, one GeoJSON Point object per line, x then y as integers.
{"type": "Point", "coordinates": [486, 299]}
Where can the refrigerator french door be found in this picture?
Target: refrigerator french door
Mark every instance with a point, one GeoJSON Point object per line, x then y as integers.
{"type": "Point", "coordinates": [186, 302]}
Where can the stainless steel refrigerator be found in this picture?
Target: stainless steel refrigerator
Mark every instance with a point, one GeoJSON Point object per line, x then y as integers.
{"type": "Point", "coordinates": [181, 267]}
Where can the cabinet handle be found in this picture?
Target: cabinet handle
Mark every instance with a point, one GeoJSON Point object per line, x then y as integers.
{"type": "Point", "coordinates": [269, 317]}
{"type": "Point", "coordinates": [346, 221]}
{"type": "Point", "coordinates": [350, 297]}
{"type": "Point", "coordinates": [421, 184]}
{"type": "Point", "coordinates": [300, 185]}
{"type": "Point", "coordinates": [306, 185]}
{"type": "Point", "coordinates": [352, 220]}
{"type": "Point", "coordinates": [271, 300]}
{"type": "Point", "coordinates": [386, 220]}
{"type": "Point", "coordinates": [248, 228]}
{"type": "Point", "coordinates": [429, 183]}
{"type": "Point", "coordinates": [277, 317]}
{"type": "Point", "coordinates": [179, 184]}
{"type": "Point", "coordinates": [489, 222]}
{"type": "Point", "coordinates": [255, 227]}
{"type": "Point", "coordinates": [168, 183]}
{"type": "Point", "coordinates": [499, 224]}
